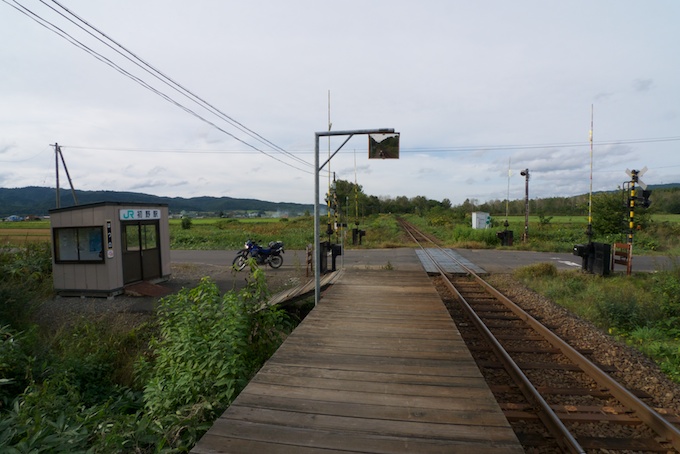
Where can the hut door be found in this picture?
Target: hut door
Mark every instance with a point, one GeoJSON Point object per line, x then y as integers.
{"type": "Point", "coordinates": [141, 251]}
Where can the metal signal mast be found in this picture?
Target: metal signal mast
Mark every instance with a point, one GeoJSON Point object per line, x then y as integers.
{"type": "Point", "coordinates": [632, 197]}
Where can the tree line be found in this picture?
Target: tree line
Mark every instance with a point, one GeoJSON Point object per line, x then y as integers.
{"type": "Point", "coordinates": [352, 200]}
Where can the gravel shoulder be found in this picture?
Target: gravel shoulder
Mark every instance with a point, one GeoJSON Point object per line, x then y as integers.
{"type": "Point", "coordinates": [635, 370]}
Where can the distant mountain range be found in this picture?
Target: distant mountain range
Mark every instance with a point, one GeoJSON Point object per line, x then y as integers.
{"type": "Point", "coordinates": [37, 201]}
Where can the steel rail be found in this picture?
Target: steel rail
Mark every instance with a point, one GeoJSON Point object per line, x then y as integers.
{"type": "Point", "coordinates": [555, 426]}
{"type": "Point", "coordinates": [643, 411]}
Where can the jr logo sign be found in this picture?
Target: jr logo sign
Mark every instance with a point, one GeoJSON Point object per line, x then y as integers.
{"type": "Point", "coordinates": [135, 214]}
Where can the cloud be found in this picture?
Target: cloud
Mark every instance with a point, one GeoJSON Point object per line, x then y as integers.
{"type": "Point", "coordinates": [464, 75]}
{"type": "Point", "coordinates": [603, 96]}
{"type": "Point", "coordinates": [643, 85]}
{"type": "Point", "coordinates": [156, 170]}
{"type": "Point", "coordinates": [6, 148]}
{"type": "Point", "coordinates": [148, 184]}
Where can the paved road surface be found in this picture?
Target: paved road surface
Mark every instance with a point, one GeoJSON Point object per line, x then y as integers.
{"type": "Point", "coordinates": [493, 261]}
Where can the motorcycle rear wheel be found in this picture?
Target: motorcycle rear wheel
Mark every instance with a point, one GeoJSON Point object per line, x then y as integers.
{"type": "Point", "coordinates": [275, 261]}
{"type": "Point", "coordinates": [239, 262]}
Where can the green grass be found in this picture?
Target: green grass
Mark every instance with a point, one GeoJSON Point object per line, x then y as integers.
{"type": "Point", "coordinates": [43, 224]}
{"type": "Point", "coordinates": [221, 234]}
{"type": "Point", "coordinates": [546, 234]}
{"type": "Point", "coordinates": [642, 309]}
{"type": "Point", "coordinates": [672, 218]}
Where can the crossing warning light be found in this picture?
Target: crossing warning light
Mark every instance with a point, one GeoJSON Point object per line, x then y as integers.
{"type": "Point", "coordinates": [645, 197]}
{"type": "Point", "coordinates": [383, 146]}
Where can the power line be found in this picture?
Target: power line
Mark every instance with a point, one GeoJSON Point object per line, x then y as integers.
{"type": "Point", "coordinates": [443, 149]}
{"type": "Point", "coordinates": [537, 146]}
{"type": "Point", "coordinates": [68, 37]}
{"type": "Point", "coordinates": [169, 81]}
{"type": "Point", "coordinates": [157, 74]}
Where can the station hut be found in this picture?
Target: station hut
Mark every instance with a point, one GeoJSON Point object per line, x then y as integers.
{"type": "Point", "coordinates": [100, 248]}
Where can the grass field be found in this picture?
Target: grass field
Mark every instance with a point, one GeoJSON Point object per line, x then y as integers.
{"type": "Point", "coordinates": [26, 225]}
{"type": "Point", "coordinates": [550, 233]}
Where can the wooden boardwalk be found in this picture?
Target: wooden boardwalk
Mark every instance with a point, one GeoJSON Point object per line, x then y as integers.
{"type": "Point", "coordinates": [377, 367]}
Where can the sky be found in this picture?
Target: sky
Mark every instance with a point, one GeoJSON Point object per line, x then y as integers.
{"type": "Point", "coordinates": [478, 90]}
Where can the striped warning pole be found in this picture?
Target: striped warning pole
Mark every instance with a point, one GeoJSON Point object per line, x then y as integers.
{"type": "Point", "coordinates": [631, 205]}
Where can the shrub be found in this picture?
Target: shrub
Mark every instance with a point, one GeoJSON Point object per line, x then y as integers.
{"type": "Point", "coordinates": [87, 356]}
{"type": "Point", "coordinates": [25, 276]}
{"type": "Point", "coordinates": [208, 348]}
{"type": "Point", "coordinates": [620, 312]}
{"type": "Point", "coordinates": [666, 287]}
{"type": "Point", "coordinates": [15, 362]}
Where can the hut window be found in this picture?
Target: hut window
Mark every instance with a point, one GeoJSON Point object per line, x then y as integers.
{"type": "Point", "coordinates": [79, 244]}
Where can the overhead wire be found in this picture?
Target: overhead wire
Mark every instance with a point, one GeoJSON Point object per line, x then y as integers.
{"type": "Point", "coordinates": [537, 146]}
{"type": "Point", "coordinates": [443, 149]}
{"type": "Point", "coordinates": [68, 37]}
{"type": "Point", "coordinates": [165, 79]}
{"type": "Point", "coordinates": [152, 70]}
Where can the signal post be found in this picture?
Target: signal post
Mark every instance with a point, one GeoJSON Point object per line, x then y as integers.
{"type": "Point", "coordinates": [382, 144]}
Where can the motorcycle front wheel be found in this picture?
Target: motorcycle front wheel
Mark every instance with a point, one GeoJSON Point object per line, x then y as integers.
{"type": "Point", "coordinates": [275, 261]}
{"type": "Point", "coordinates": [239, 262]}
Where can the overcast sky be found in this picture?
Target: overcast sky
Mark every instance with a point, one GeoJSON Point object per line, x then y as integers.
{"type": "Point", "coordinates": [475, 88]}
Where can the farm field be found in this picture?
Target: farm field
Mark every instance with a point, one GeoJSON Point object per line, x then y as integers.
{"type": "Point", "coordinates": [24, 235]}
{"type": "Point", "coordinates": [546, 233]}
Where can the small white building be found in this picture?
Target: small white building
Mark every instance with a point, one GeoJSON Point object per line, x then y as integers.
{"type": "Point", "coordinates": [100, 248]}
{"type": "Point", "coordinates": [481, 220]}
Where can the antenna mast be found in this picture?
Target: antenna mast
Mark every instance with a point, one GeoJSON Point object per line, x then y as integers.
{"type": "Point", "coordinates": [589, 232]}
{"type": "Point", "coordinates": [329, 203]}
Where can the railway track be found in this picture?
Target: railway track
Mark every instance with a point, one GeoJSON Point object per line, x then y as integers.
{"type": "Point", "coordinates": [555, 398]}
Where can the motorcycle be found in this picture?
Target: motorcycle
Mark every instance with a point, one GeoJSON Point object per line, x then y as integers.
{"type": "Point", "coordinates": [263, 256]}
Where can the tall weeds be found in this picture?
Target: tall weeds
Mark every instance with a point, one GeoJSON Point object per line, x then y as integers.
{"type": "Point", "coordinates": [190, 365]}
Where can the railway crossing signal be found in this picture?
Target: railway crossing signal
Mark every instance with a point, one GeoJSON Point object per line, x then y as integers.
{"type": "Point", "coordinates": [633, 198]}
{"type": "Point", "coordinates": [644, 200]}
{"type": "Point", "coordinates": [525, 174]}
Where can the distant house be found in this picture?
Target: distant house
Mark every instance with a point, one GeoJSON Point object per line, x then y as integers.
{"type": "Point", "coordinates": [14, 218]}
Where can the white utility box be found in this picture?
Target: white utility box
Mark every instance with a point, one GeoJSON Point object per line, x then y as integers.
{"type": "Point", "coordinates": [481, 220]}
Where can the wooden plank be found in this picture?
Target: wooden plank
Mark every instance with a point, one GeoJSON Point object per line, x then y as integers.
{"type": "Point", "coordinates": [301, 289]}
{"type": "Point", "coordinates": [378, 366]}
{"type": "Point", "coordinates": [377, 376]}
{"type": "Point", "coordinates": [329, 439]}
{"type": "Point", "coordinates": [367, 410]}
{"type": "Point", "coordinates": [362, 392]}
{"type": "Point", "coordinates": [358, 424]}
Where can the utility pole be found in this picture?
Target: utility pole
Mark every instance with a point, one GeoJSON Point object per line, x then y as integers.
{"type": "Point", "coordinates": [56, 169]}
{"type": "Point", "coordinates": [525, 174]}
{"type": "Point", "coordinates": [57, 154]}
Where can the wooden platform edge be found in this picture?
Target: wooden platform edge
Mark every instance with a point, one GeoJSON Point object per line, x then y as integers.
{"type": "Point", "coordinates": [302, 289]}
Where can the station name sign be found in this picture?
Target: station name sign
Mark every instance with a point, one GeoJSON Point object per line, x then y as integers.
{"type": "Point", "coordinates": [136, 214]}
